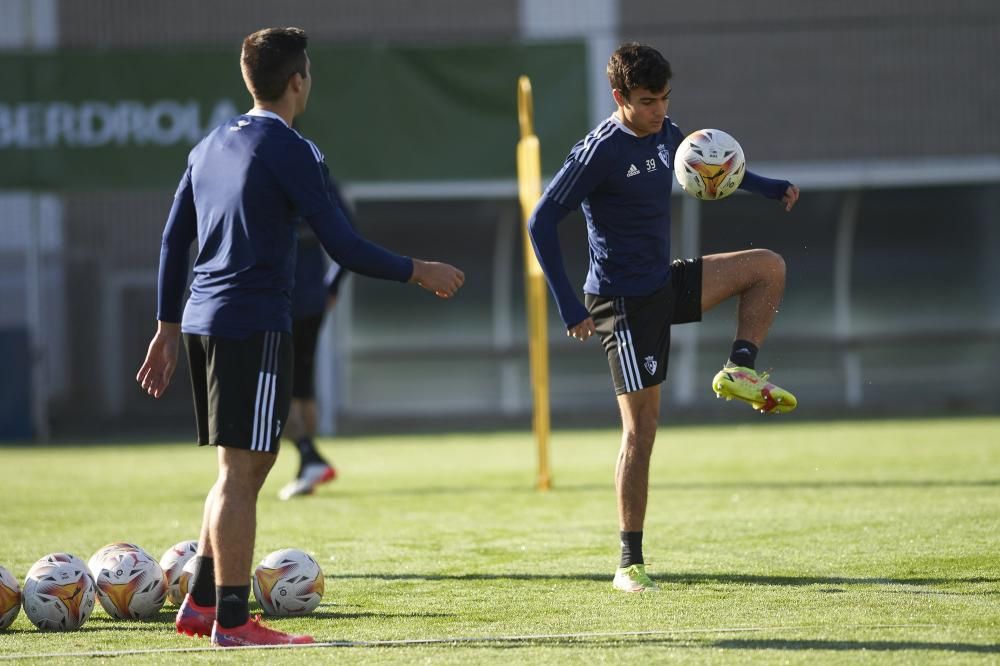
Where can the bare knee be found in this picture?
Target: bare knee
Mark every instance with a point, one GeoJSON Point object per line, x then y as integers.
{"type": "Point", "coordinates": [243, 472]}
{"type": "Point", "coordinates": [770, 264]}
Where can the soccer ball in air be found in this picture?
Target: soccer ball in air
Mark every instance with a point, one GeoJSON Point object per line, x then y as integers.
{"type": "Point", "coordinates": [288, 582]}
{"type": "Point", "coordinates": [175, 572]}
{"type": "Point", "coordinates": [58, 593]}
{"type": "Point", "coordinates": [10, 598]}
{"type": "Point", "coordinates": [709, 164]}
{"type": "Point", "coordinates": [130, 585]}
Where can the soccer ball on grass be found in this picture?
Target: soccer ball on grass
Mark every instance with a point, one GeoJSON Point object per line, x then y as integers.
{"type": "Point", "coordinates": [175, 571]}
{"type": "Point", "coordinates": [58, 593]}
{"type": "Point", "coordinates": [94, 563]}
{"type": "Point", "coordinates": [10, 598]}
{"type": "Point", "coordinates": [288, 582]}
{"type": "Point", "coordinates": [130, 585]}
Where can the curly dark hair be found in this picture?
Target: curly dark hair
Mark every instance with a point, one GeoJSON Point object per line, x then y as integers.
{"type": "Point", "coordinates": [270, 57]}
{"type": "Point", "coordinates": [636, 65]}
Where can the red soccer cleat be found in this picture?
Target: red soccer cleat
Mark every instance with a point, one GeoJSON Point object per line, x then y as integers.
{"type": "Point", "coordinates": [311, 475]}
{"type": "Point", "coordinates": [254, 632]}
{"type": "Point", "coordinates": [194, 620]}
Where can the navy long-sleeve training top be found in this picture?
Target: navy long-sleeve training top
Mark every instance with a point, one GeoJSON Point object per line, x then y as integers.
{"type": "Point", "coordinates": [244, 185]}
{"type": "Point", "coordinates": [622, 182]}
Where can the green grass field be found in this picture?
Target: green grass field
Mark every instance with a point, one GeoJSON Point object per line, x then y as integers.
{"type": "Point", "coordinates": [774, 542]}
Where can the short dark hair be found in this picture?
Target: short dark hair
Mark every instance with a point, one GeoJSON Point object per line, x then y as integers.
{"type": "Point", "coordinates": [270, 57]}
{"type": "Point", "coordinates": [636, 65]}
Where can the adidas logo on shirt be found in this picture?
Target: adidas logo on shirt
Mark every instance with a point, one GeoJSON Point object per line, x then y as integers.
{"type": "Point", "coordinates": [632, 171]}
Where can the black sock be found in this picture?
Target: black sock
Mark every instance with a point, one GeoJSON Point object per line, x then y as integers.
{"type": "Point", "coordinates": [203, 581]}
{"type": "Point", "coordinates": [744, 354]}
{"type": "Point", "coordinates": [234, 605]}
{"type": "Point", "coordinates": [631, 549]}
{"type": "Point", "coordinates": [307, 451]}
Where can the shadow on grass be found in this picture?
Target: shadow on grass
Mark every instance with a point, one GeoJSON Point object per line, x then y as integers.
{"type": "Point", "coordinates": [165, 618]}
{"type": "Point", "coordinates": [678, 578]}
{"type": "Point", "coordinates": [679, 485]}
{"type": "Point", "coordinates": [118, 627]}
{"type": "Point", "coordinates": [327, 615]}
{"type": "Point", "coordinates": [868, 646]}
{"type": "Point", "coordinates": [625, 642]}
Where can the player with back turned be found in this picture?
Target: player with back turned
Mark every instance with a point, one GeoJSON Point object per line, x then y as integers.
{"type": "Point", "coordinates": [621, 176]}
{"type": "Point", "coordinates": [244, 185]}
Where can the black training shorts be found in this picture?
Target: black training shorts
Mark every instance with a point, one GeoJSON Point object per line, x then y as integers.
{"type": "Point", "coordinates": [242, 389]}
{"type": "Point", "coordinates": [635, 331]}
{"type": "Point", "coordinates": [305, 331]}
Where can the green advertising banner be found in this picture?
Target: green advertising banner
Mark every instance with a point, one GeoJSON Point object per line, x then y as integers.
{"type": "Point", "coordinates": [74, 120]}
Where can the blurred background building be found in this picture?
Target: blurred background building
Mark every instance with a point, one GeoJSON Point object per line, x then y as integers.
{"type": "Point", "coordinates": [884, 112]}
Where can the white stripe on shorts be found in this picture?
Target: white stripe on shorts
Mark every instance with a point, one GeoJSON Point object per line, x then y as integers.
{"type": "Point", "coordinates": [626, 350]}
{"type": "Point", "coordinates": [264, 403]}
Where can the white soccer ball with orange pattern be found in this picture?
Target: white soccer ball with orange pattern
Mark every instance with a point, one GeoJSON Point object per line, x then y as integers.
{"type": "Point", "coordinates": [174, 570]}
{"type": "Point", "coordinates": [58, 558]}
{"type": "Point", "coordinates": [130, 585]}
{"type": "Point", "coordinates": [288, 582]}
{"type": "Point", "coordinates": [94, 563]}
{"type": "Point", "coordinates": [58, 593]}
{"type": "Point", "coordinates": [709, 164]}
{"type": "Point", "coordinates": [10, 598]}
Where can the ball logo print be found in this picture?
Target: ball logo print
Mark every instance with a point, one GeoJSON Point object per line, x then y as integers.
{"type": "Point", "coordinates": [709, 164]}
{"type": "Point", "coordinates": [288, 582]}
{"type": "Point", "coordinates": [10, 598]}
{"type": "Point", "coordinates": [94, 563]}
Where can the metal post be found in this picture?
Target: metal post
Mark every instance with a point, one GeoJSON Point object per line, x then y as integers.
{"type": "Point", "coordinates": [843, 259]}
{"type": "Point", "coordinates": [595, 21]}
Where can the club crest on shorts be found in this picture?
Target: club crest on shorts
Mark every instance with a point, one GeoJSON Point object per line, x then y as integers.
{"type": "Point", "coordinates": [650, 364]}
{"type": "Point", "coordinates": [664, 154]}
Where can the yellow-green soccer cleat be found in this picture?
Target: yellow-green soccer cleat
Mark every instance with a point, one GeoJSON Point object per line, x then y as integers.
{"type": "Point", "coordinates": [634, 579]}
{"type": "Point", "coordinates": [744, 384]}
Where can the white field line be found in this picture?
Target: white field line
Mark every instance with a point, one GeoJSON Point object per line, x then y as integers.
{"type": "Point", "coordinates": [405, 642]}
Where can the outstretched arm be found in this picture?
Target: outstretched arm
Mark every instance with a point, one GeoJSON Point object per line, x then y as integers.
{"type": "Point", "coordinates": [312, 193]}
{"type": "Point", "coordinates": [359, 255]}
{"type": "Point", "coordinates": [791, 197]}
{"type": "Point", "coordinates": [771, 188]}
{"type": "Point", "coordinates": [442, 280]}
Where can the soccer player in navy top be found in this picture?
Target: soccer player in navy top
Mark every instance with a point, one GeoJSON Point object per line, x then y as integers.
{"type": "Point", "coordinates": [315, 292]}
{"type": "Point", "coordinates": [621, 176]}
{"type": "Point", "coordinates": [244, 185]}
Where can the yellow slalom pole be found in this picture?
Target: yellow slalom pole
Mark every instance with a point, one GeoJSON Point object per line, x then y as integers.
{"type": "Point", "coordinates": [529, 185]}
